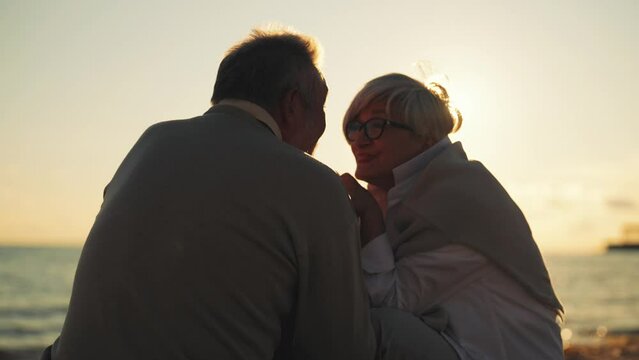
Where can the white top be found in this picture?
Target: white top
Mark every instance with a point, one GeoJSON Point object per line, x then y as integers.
{"type": "Point", "coordinates": [490, 315]}
{"type": "Point", "coordinates": [257, 112]}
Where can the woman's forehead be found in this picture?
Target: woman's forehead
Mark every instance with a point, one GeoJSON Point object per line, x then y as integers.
{"type": "Point", "coordinates": [374, 108]}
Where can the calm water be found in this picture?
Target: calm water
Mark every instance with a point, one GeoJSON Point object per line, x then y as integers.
{"type": "Point", "coordinates": [600, 293]}
{"type": "Point", "coordinates": [35, 285]}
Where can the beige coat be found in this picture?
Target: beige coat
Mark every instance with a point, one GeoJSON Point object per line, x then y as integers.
{"type": "Point", "coordinates": [218, 241]}
{"type": "Point", "coordinates": [462, 200]}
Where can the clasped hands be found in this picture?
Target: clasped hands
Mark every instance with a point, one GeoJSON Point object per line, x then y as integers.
{"type": "Point", "coordinates": [366, 208]}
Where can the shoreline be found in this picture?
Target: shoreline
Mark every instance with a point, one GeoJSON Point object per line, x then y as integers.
{"type": "Point", "coordinates": [614, 346]}
{"type": "Point", "coordinates": [20, 354]}
{"type": "Point", "coordinates": [617, 347]}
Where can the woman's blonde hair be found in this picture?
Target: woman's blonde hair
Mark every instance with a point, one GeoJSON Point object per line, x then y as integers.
{"type": "Point", "coordinates": [425, 108]}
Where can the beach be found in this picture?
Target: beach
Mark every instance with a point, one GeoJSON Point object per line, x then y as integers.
{"type": "Point", "coordinates": [618, 347]}
{"type": "Point", "coordinates": [20, 355]}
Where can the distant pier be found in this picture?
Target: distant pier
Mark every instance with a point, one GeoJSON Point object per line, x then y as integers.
{"type": "Point", "coordinates": [629, 239]}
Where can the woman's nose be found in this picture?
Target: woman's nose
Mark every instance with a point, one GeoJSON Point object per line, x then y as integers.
{"type": "Point", "coordinates": [360, 138]}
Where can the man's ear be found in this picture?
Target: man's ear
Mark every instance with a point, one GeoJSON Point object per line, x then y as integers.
{"type": "Point", "coordinates": [290, 111]}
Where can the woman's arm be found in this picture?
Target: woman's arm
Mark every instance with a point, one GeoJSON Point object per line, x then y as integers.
{"type": "Point", "coordinates": [419, 281]}
{"type": "Point", "coordinates": [415, 282]}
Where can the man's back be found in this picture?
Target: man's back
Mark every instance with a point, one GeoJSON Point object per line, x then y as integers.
{"type": "Point", "coordinates": [216, 240]}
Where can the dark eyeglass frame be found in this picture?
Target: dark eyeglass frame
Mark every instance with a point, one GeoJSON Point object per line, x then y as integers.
{"type": "Point", "coordinates": [352, 127]}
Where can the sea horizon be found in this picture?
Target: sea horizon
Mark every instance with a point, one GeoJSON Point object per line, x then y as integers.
{"type": "Point", "coordinates": [601, 249]}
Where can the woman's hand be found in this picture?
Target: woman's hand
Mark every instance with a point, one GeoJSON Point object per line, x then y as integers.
{"type": "Point", "coordinates": [366, 208]}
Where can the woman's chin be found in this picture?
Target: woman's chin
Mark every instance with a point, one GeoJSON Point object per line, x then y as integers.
{"type": "Point", "coordinates": [380, 180]}
{"type": "Point", "coordinates": [362, 174]}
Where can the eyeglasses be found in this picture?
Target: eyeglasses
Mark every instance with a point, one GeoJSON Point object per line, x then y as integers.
{"type": "Point", "coordinates": [373, 128]}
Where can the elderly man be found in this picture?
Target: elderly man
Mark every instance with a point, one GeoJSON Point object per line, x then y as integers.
{"type": "Point", "coordinates": [219, 237]}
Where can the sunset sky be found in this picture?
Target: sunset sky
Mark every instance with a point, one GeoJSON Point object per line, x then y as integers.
{"type": "Point", "coordinates": [548, 90]}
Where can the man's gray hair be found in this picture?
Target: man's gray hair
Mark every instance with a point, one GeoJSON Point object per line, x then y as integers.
{"type": "Point", "coordinates": [267, 64]}
{"type": "Point", "coordinates": [424, 108]}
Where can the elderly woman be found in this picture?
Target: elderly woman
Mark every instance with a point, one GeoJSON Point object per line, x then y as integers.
{"type": "Point", "coordinates": [441, 237]}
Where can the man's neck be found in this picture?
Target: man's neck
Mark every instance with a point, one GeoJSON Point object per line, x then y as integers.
{"type": "Point", "coordinates": [256, 111]}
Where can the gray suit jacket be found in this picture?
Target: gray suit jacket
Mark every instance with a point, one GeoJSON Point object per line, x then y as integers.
{"type": "Point", "coordinates": [218, 241]}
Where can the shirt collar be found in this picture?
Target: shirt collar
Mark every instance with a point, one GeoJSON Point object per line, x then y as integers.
{"type": "Point", "coordinates": [413, 166]}
{"type": "Point", "coordinates": [257, 112]}
{"type": "Point", "coordinates": [407, 173]}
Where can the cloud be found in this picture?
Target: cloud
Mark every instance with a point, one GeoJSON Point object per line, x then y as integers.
{"type": "Point", "coordinates": [620, 204]}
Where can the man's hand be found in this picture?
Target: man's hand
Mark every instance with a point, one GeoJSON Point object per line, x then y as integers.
{"type": "Point", "coordinates": [366, 208]}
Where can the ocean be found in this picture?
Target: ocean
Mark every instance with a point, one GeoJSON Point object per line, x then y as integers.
{"type": "Point", "coordinates": [600, 294]}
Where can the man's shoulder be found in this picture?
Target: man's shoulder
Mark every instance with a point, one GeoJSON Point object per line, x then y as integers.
{"type": "Point", "coordinates": [168, 126]}
{"type": "Point", "coordinates": [305, 163]}
{"type": "Point", "coordinates": [256, 144]}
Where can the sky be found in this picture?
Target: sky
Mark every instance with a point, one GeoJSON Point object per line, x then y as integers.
{"type": "Point", "coordinates": [547, 89]}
